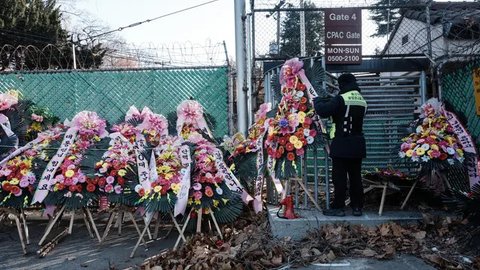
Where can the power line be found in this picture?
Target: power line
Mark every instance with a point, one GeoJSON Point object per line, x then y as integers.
{"type": "Point", "coordinates": [150, 20]}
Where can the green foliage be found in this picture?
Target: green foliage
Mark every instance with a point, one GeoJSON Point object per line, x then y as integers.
{"type": "Point", "coordinates": [92, 155]}
{"type": "Point", "coordinates": [30, 22]}
{"type": "Point", "coordinates": [34, 24]}
{"type": "Point", "coordinates": [246, 170]}
{"type": "Point", "coordinates": [160, 203]}
{"type": "Point", "coordinates": [385, 17]}
{"type": "Point", "coordinates": [72, 202]}
{"type": "Point", "coordinates": [230, 211]}
{"type": "Point", "coordinates": [290, 34]}
{"type": "Point", "coordinates": [316, 75]}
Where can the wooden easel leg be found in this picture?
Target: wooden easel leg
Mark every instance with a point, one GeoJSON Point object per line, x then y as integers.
{"type": "Point", "coordinates": [178, 228]}
{"type": "Point", "coordinates": [183, 231]}
{"type": "Point", "coordinates": [42, 252]}
{"type": "Point", "coordinates": [87, 224]}
{"type": "Point", "coordinates": [199, 220]}
{"type": "Point", "coordinates": [50, 225]}
{"type": "Point", "coordinates": [70, 226]}
{"type": "Point", "coordinates": [25, 226]}
{"type": "Point", "coordinates": [382, 201]}
{"type": "Point", "coordinates": [94, 227]}
{"type": "Point", "coordinates": [109, 225]}
{"type": "Point", "coordinates": [147, 224]}
{"type": "Point", "coordinates": [137, 228]}
{"type": "Point", "coordinates": [309, 195]}
{"type": "Point", "coordinates": [120, 221]}
{"type": "Point", "coordinates": [157, 225]}
{"type": "Point", "coordinates": [150, 237]}
{"type": "Point", "coordinates": [408, 195]}
{"type": "Point", "coordinates": [216, 224]}
{"type": "Point", "coordinates": [20, 233]}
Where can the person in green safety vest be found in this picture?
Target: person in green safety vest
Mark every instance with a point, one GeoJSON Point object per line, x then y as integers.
{"type": "Point", "coordinates": [348, 148]}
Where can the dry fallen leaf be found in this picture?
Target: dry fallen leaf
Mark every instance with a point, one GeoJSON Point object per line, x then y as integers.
{"type": "Point", "coordinates": [251, 245]}
{"type": "Point", "coordinates": [389, 252]}
{"type": "Point", "coordinates": [331, 256]}
{"type": "Point", "coordinates": [226, 266]}
{"type": "Point", "coordinates": [277, 260]}
{"type": "Point", "coordinates": [420, 235]}
{"type": "Point", "coordinates": [316, 252]}
{"type": "Point", "coordinates": [434, 258]}
{"type": "Point", "coordinates": [451, 241]}
{"type": "Point", "coordinates": [369, 252]}
{"type": "Point", "coordinates": [385, 229]}
{"type": "Point", "coordinates": [397, 230]}
{"type": "Point", "coordinates": [242, 237]}
{"type": "Point", "coordinates": [305, 253]}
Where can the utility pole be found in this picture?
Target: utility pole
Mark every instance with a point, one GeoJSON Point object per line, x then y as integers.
{"type": "Point", "coordinates": [241, 66]}
{"type": "Point", "coordinates": [74, 56]}
{"type": "Point", "coordinates": [302, 30]}
{"type": "Point", "coordinates": [250, 99]}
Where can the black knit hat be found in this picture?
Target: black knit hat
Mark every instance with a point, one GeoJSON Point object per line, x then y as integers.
{"type": "Point", "coordinates": [347, 82]}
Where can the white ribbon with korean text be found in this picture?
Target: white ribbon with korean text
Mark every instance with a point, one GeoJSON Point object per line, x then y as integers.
{"type": "Point", "coordinates": [182, 196]}
{"type": "Point", "coordinates": [48, 174]}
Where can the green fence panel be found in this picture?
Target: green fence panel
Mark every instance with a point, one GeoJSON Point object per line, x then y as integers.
{"type": "Point", "coordinates": [457, 89]}
{"type": "Point", "coordinates": [111, 92]}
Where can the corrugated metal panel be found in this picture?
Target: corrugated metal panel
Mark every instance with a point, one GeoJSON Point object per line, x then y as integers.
{"type": "Point", "coordinates": [392, 102]}
{"type": "Point", "coordinates": [111, 93]}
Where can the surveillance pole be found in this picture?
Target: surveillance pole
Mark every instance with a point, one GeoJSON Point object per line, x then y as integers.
{"type": "Point", "coordinates": [241, 66]}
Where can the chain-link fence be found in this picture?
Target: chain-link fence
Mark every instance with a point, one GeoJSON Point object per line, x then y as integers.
{"type": "Point", "coordinates": [388, 28]}
{"type": "Point", "coordinates": [458, 92]}
{"type": "Point", "coordinates": [111, 92]}
{"type": "Point", "coordinates": [117, 55]}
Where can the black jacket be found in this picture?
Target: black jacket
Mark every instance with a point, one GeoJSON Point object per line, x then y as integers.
{"type": "Point", "coordinates": [348, 140]}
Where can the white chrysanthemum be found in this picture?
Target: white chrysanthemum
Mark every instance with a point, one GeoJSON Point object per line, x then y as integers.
{"type": "Point", "coordinates": [450, 151]}
{"type": "Point", "coordinates": [425, 146]}
{"type": "Point", "coordinates": [401, 154]}
{"type": "Point", "coordinates": [415, 159]}
{"type": "Point", "coordinates": [419, 129]}
{"type": "Point", "coordinates": [450, 161]}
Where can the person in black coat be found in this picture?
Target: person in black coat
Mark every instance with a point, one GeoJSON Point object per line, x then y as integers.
{"type": "Point", "coordinates": [348, 148]}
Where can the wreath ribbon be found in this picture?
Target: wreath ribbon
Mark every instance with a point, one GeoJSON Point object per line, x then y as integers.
{"type": "Point", "coordinates": [182, 196]}
{"type": "Point", "coordinates": [229, 178]}
{"type": "Point", "coordinates": [44, 183]}
{"type": "Point", "coordinates": [7, 128]}
{"type": "Point", "coordinates": [258, 184]}
{"type": "Point", "coordinates": [468, 146]}
{"type": "Point", "coordinates": [142, 164]}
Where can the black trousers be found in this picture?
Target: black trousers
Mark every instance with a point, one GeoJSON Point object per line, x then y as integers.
{"type": "Point", "coordinates": [344, 169]}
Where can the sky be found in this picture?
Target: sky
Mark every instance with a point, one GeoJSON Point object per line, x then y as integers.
{"type": "Point", "coordinates": [209, 24]}
{"type": "Point", "coordinates": [201, 27]}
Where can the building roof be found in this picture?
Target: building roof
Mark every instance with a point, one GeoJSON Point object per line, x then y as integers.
{"type": "Point", "coordinates": [460, 20]}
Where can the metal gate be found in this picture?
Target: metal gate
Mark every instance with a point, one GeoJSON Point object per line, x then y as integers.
{"type": "Point", "coordinates": [393, 103]}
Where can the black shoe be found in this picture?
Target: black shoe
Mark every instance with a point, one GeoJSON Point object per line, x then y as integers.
{"type": "Point", "coordinates": [357, 212]}
{"type": "Point", "coordinates": [337, 212]}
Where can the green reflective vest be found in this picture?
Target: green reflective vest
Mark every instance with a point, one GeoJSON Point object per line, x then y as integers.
{"type": "Point", "coordinates": [351, 98]}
